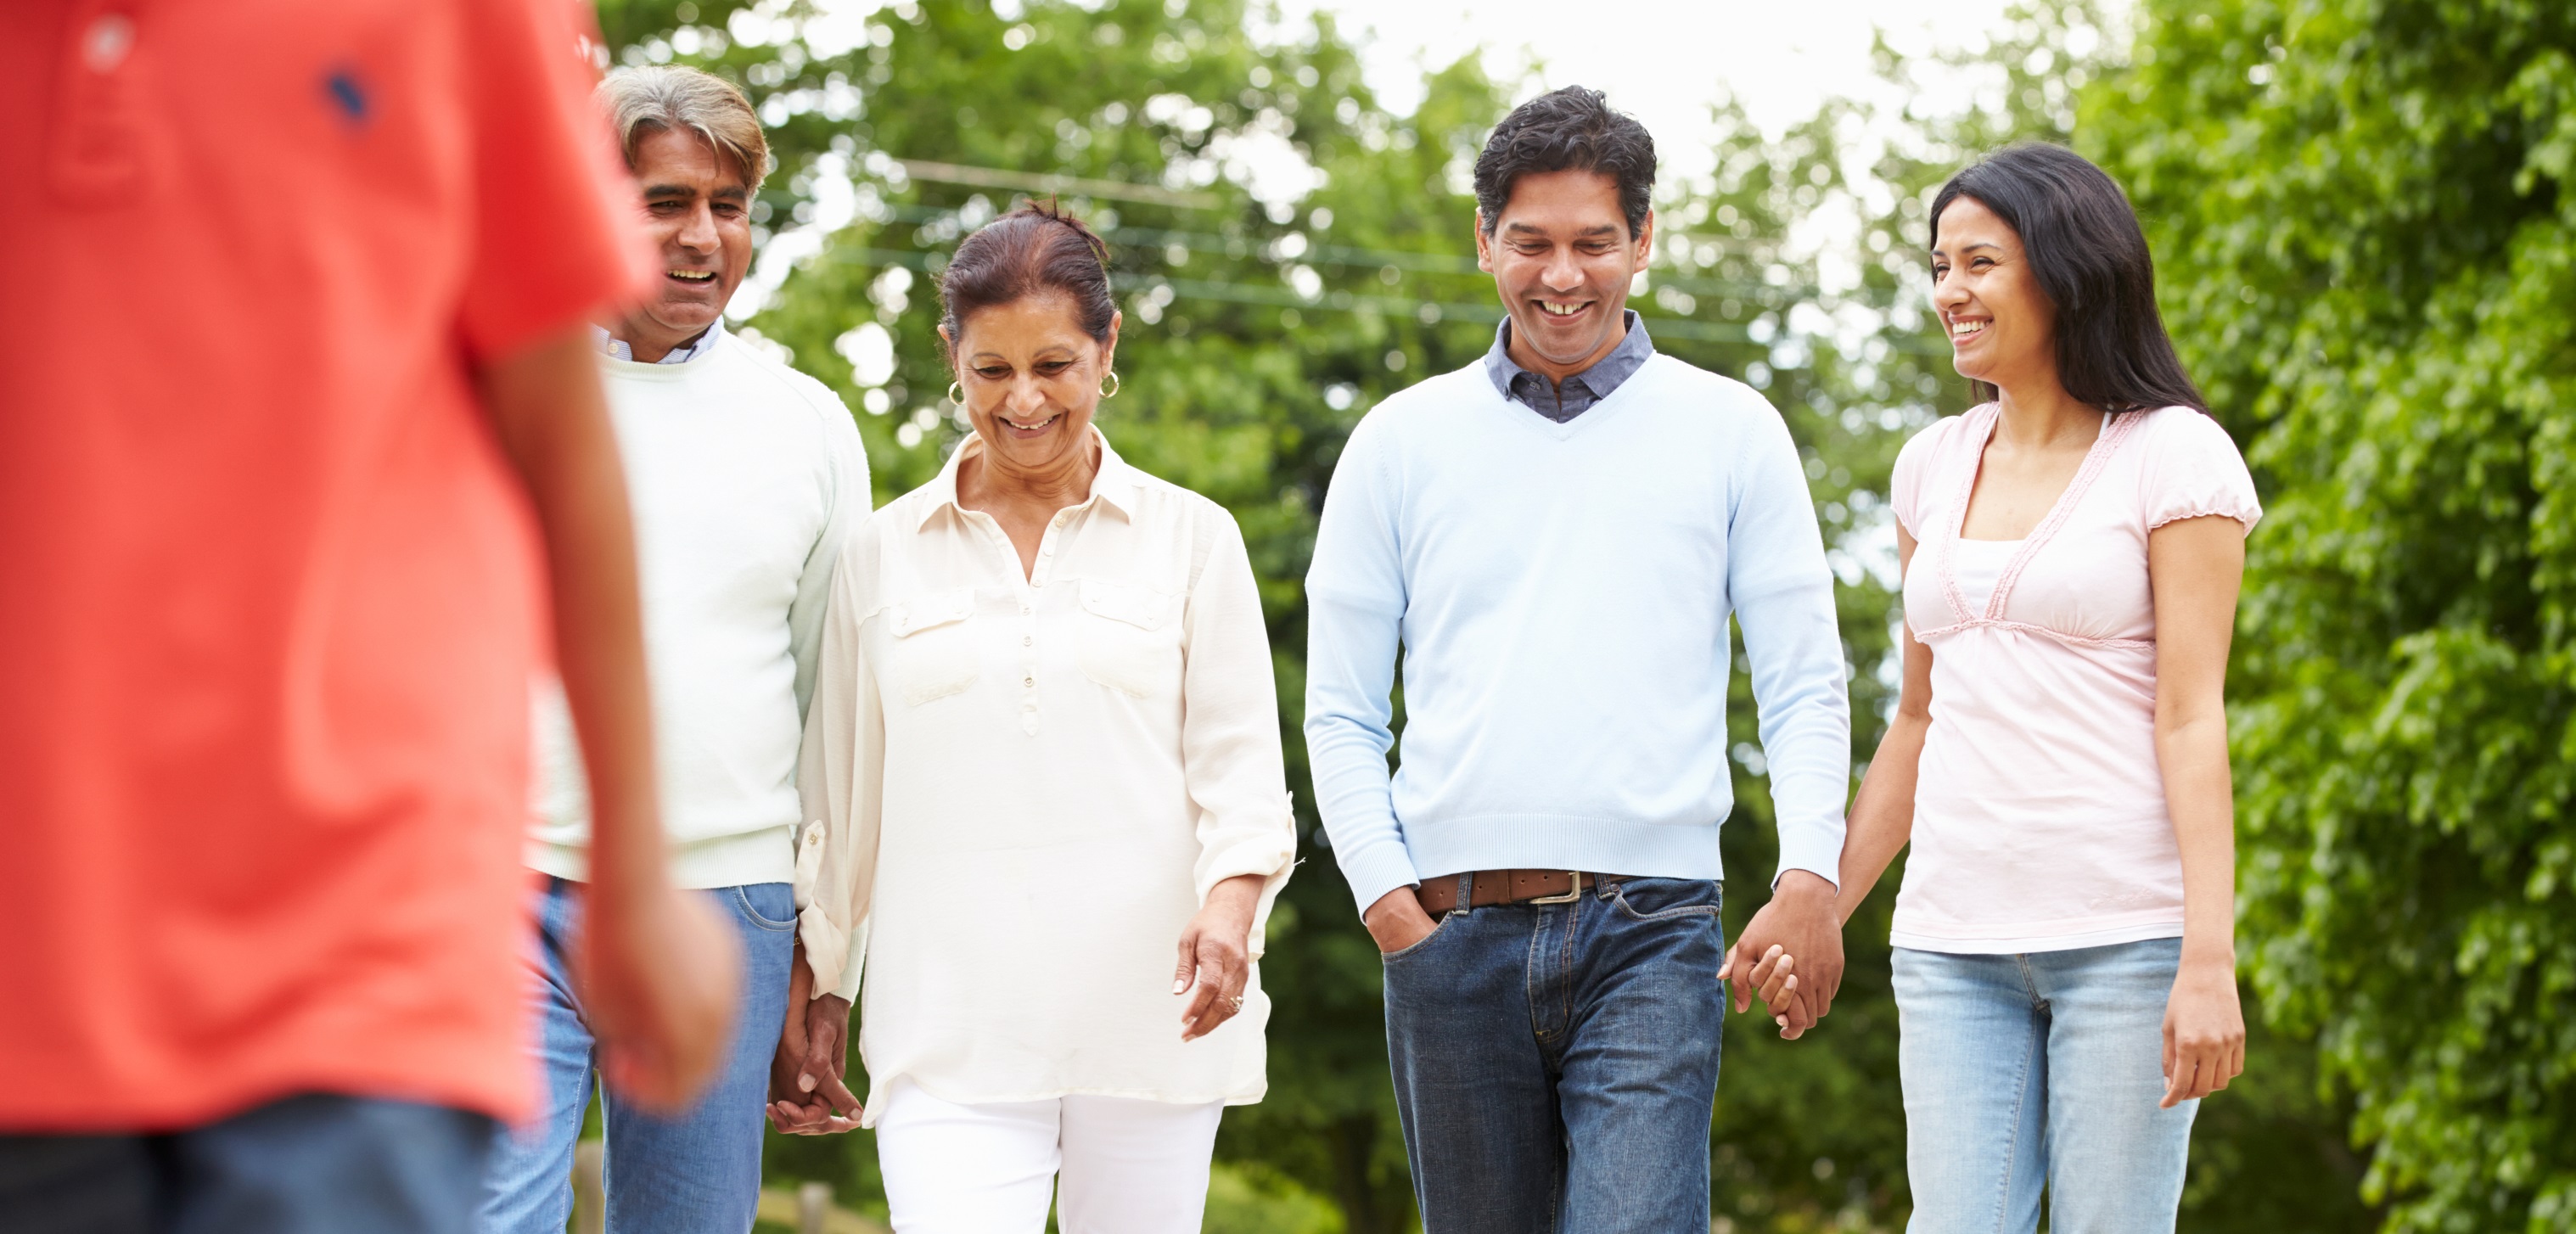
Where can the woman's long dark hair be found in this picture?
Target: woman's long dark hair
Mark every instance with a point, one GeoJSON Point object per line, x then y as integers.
{"type": "Point", "coordinates": [2090, 256]}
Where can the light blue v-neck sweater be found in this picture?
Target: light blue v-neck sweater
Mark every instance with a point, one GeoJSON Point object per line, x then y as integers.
{"type": "Point", "coordinates": [1561, 593]}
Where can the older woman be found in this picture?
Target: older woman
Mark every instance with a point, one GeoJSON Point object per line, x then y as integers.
{"type": "Point", "coordinates": [1045, 755]}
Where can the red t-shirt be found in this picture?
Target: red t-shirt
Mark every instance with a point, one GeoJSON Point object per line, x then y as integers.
{"type": "Point", "coordinates": [270, 596]}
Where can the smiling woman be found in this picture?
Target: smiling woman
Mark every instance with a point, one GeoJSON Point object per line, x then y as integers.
{"type": "Point", "coordinates": [2068, 804]}
{"type": "Point", "coordinates": [1046, 687]}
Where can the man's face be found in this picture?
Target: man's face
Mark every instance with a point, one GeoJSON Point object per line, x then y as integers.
{"type": "Point", "coordinates": [697, 206]}
{"type": "Point", "coordinates": [1562, 257]}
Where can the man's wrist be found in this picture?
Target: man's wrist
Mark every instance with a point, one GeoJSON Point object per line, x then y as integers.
{"type": "Point", "coordinates": [1802, 886]}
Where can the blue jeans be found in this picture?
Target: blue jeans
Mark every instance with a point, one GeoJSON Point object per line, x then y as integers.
{"type": "Point", "coordinates": [2043, 1068]}
{"type": "Point", "coordinates": [697, 1172]}
{"type": "Point", "coordinates": [314, 1164]}
{"type": "Point", "coordinates": [1556, 1064]}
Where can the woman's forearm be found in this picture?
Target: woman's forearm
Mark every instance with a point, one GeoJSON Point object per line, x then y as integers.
{"type": "Point", "coordinates": [1882, 814]}
{"type": "Point", "coordinates": [2199, 794]}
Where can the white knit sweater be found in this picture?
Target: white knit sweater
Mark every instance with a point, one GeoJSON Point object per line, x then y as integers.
{"type": "Point", "coordinates": [745, 476]}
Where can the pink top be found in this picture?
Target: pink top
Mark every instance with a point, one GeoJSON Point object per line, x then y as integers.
{"type": "Point", "coordinates": [2039, 812]}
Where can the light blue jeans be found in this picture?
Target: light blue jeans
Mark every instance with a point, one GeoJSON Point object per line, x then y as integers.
{"type": "Point", "coordinates": [2040, 1068]}
{"type": "Point", "coordinates": [687, 1175]}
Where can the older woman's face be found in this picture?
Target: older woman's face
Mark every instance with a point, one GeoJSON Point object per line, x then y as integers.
{"type": "Point", "coordinates": [1032, 380]}
{"type": "Point", "coordinates": [2002, 325]}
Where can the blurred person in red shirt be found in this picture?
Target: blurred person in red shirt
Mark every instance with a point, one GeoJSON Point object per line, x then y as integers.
{"type": "Point", "coordinates": [301, 444]}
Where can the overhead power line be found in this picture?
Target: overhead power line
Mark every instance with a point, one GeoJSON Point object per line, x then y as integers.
{"type": "Point", "coordinates": [1049, 182]}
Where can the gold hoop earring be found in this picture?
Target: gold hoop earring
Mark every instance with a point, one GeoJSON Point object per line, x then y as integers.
{"type": "Point", "coordinates": [1112, 391]}
{"type": "Point", "coordinates": [956, 395]}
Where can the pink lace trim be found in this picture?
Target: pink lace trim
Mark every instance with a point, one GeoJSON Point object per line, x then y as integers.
{"type": "Point", "coordinates": [2024, 627]}
{"type": "Point", "coordinates": [2197, 512]}
{"type": "Point", "coordinates": [1964, 486]}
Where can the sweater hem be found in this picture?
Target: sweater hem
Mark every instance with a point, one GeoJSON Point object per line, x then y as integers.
{"type": "Point", "coordinates": [742, 860]}
{"type": "Point", "coordinates": [1564, 842]}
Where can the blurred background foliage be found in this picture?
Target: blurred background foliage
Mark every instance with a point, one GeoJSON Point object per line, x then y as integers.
{"type": "Point", "coordinates": [2366, 259]}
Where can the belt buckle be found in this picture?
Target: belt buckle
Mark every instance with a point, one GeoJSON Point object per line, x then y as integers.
{"type": "Point", "coordinates": [1572, 893]}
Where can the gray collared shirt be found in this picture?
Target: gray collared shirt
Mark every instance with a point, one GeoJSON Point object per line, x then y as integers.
{"type": "Point", "coordinates": [1563, 401]}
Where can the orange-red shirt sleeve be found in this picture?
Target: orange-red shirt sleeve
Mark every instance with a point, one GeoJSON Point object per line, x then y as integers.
{"type": "Point", "coordinates": [555, 223]}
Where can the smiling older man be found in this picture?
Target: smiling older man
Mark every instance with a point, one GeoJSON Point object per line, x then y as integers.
{"type": "Point", "coordinates": [744, 476]}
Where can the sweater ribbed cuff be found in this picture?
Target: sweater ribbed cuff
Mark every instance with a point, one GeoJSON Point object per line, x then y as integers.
{"type": "Point", "coordinates": [1817, 850]}
{"type": "Point", "coordinates": [1375, 871]}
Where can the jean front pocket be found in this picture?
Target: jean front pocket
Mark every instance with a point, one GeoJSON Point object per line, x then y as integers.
{"type": "Point", "coordinates": [1437, 929]}
{"type": "Point", "coordinates": [1668, 899]}
{"type": "Point", "coordinates": [758, 901]}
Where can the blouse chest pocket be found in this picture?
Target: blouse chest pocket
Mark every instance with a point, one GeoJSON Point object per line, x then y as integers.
{"type": "Point", "coordinates": [931, 646]}
{"type": "Point", "coordinates": [1128, 638]}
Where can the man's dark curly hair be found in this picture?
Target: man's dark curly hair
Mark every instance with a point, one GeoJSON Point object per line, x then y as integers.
{"type": "Point", "coordinates": [1572, 129]}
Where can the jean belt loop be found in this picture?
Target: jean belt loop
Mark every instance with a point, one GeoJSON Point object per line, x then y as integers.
{"type": "Point", "coordinates": [1466, 890]}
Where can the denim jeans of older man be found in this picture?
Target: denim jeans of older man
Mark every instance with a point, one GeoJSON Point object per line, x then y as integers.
{"type": "Point", "coordinates": [688, 1174]}
{"type": "Point", "coordinates": [1556, 1064]}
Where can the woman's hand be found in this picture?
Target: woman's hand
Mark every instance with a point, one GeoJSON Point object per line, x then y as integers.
{"type": "Point", "coordinates": [807, 1095]}
{"type": "Point", "coordinates": [1216, 956]}
{"type": "Point", "coordinates": [2204, 1032]}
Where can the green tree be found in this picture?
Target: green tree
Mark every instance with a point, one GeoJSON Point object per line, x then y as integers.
{"type": "Point", "coordinates": [2369, 258]}
{"type": "Point", "coordinates": [1263, 319]}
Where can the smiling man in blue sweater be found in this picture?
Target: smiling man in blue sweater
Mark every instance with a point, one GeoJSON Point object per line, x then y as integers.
{"type": "Point", "coordinates": [1555, 538]}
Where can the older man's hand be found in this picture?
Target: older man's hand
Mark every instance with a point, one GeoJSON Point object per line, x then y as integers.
{"type": "Point", "coordinates": [808, 1094]}
{"type": "Point", "coordinates": [1791, 953]}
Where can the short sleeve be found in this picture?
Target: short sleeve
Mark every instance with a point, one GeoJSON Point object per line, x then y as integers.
{"type": "Point", "coordinates": [553, 214]}
{"type": "Point", "coordinates": [1913, 466]}
{"type": "Point", "coordinates": [2193, 469]}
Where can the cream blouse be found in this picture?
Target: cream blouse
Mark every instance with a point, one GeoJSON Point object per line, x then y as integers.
{"type": "Point", "coordinates": [1020, 789]}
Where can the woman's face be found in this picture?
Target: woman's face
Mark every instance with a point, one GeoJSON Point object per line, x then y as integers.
{"type": "Point", "coordinates": [1032, 380]}
{"type": "Point", "coordinates": [2002, 326]}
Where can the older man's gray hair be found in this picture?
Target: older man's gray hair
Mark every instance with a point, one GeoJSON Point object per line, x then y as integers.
{"type": "Point", "coordinates": [642, 101]}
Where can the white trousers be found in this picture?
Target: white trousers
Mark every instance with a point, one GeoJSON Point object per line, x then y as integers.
{"type": "Point", "coordinates": [1127, 1166]}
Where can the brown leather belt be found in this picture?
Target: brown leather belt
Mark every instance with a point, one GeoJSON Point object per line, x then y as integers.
{"type": "Point", "coordinates": [1439, 895]}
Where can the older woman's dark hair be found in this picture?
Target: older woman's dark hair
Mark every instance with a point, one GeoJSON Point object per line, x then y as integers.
{"type": "Point", "coordinates": [2083, 242]}
{"type": "Point", "coordinates": [1034, 250]}
{"type": "Point", "coordinates": [1572, 129]}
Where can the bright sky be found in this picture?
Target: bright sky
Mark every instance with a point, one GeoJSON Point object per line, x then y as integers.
{"type": "Point", "coordinates": [1663, 61]}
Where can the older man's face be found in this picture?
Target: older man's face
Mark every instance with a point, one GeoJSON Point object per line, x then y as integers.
{"type": "Point", "coordinates": [697, 206]}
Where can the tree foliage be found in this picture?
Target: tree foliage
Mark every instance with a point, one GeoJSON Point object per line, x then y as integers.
{"type": "Point", "coordinates": [2365, 259]}
{"type": "Point", "coordinates": [2369, 253]}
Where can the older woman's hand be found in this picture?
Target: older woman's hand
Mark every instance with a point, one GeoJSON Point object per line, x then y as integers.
{"type": "Point", "coordinates": [1216, 959]}
{"type": "Point", "coordinates": [807, 1095]}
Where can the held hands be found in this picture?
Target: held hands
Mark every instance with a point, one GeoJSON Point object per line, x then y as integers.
{"type": "Point", "coordinates": [2204, 1031]}
{"type": "Point", "coordinates": [658, 971]}
{"type": "Point", "coordinates": [807, 1094]}
{"type": "Point", "coordinates": [1791, 953]}
{"type": "Point", "coordinates": [1216, 956]}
